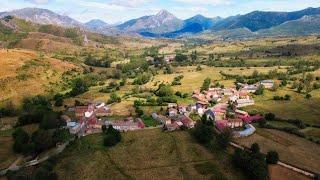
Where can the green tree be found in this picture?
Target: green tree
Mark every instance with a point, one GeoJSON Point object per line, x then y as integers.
{"type": "Point", "coordinates": [21, 140]}
{"type": "Point", "coordinates": [255, 148]}
{"type": "Point", "coordinates": [260, 90]}
{"type": "Point", "coordinates": [202, 133]}
{"type": "Point", "coordinates": [164, 90]}
{"type": "Point", "coordinates": [224, 138]}
{"type": "Point", "coordinates": [49, 121]}
{"type": "Point", "coordinates": [270, 116]}
{"type": "Point", "coordinates": [112, 137]}
{"type": "Point", "coordinates": [58, 98]}
{"type": "Point", "coordinates": [104, 128]}
{"type": "Point", "coordinates": [114, 98]}
{"type": "Point", "coordinates": [272, 157]}
{"type": "Point", "coordinates": [206, 84]}
{"type": "Point", "coordinates": [79, 86]}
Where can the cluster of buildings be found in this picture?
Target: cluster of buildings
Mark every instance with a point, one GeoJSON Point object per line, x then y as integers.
{"type": "Point", "coordinates": [177, 118]}
{"type": "Point", "coordinates": [166, 58]}
{"type": "Point", "coordinates": [228, 115]}
{"type": "Point", "coordinates": [252, 88]}
{"type": "Point", "coordinates": [128, 124]}
{"type": "Point", "coordinates": [89, 119]}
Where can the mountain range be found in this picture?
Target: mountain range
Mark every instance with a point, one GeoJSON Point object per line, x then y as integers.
{"type": "Point", "coordinates": [166, 25]}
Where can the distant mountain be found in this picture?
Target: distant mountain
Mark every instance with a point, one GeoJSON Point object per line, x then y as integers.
{"type": "Point", "coordinates": [42, 16]}
{"type": "Point", "coordinates": [257, 20]}
{"type": "Point", "coordinates": [162, 22]}
{"type": "Point", "coordinates": [189, 29]}
{"type": "Point", "coordinates": [96, 25]}
{"type": "Point", "coordinates": [205, 22]}
{"type": "Point", "coordinates": [193, 25]}
{"type": "Point", "coordinates": [304, 26]}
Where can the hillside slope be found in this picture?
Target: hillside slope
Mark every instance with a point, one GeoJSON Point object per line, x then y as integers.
{"type": "Point", "coordinates": [26, 73]}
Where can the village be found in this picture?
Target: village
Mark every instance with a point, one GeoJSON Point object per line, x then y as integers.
{"type": "Point", "coordinates": [220, 107]}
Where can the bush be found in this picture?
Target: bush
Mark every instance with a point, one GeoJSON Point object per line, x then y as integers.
{"type": "Point", "coordinates": [253, 165]}
{"type": "Point", "coordinates": [21, 140]}
{"type": "Point", "coordinates": [206, 84]}
{"type": "Point", "coordinates": [270, 116]}
{"type": "Point", "coordinates": [272, 157]}
{"type": "Point", "coordinates": [255, 148]}
{"type": "Point", "coordinates": [202, 133]}
{"type": "Point", "coordinates": [104, 128]}
{"type": "Point", "coordinates": [114, 98]}
{"type": "Point", "coordinates": [224, 138]}
{"type": "Point", "coordinates": [308, 96]}
{"type": "Point", "coordinates": [112, 137]}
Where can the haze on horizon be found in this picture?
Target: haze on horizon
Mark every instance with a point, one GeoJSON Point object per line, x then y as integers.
{"type": "Point", "coordinates": [114, 11]}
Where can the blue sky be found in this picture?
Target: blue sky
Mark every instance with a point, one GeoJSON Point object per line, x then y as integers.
{"type": "Point", "coordinates": [113, 11]}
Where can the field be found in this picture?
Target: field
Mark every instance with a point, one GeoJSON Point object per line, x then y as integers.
{"type": "Point", "coordinates": [26, 73]}
{"type": "Point", "coordinates": [298, 108]}
{"type": "Point", "coordinates": [144, 155]}
{"type": "Point", "coordinates": [306, 154]}
{"type": "Point", "coordinates": [279, 172]}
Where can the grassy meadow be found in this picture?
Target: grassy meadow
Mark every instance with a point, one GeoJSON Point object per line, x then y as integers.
{"type": "Point", "coordinates": [144, 155]}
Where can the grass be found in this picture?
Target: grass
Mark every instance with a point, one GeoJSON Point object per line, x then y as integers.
{"type": "Point", "coordinates": [19, 77]}
{"type": "Point", "coordinates": [148, 154]}
{"type": "Point", "coordinates": [149, 122]}
{"type": "Point", "coordinates": [298, 108]}
{"type": "Point", "coordinates": [279, 172]}
{"type": "Point", "coordinates": [291, 149]}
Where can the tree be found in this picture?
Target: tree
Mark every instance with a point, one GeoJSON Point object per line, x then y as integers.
{"type": "Point", "coordinates": [114, 98]}
{"type": "Point", "coordinates": [255, 148]}
{"type": "Point", "coordinates": [287, 97]}
{"type": "Point", "coordinates": [112, 137]}
{"type": "Point", "coordinates": [58, 98]}
{"type": "Point", "coordinates": [260, 90]}
{"type": "Point", "coordinates": [49, 121]}
{"type": "Point", "coordinates": [202, 133]}
{"type": "Point", "coordinates": [79, 86]}
{"type": "Point", "coordinates": [308, 96]}
{"type": "Point", "coordinates": [181, 57]}
{"type": "Point", "coordinates": [104, 128]}
{"type": "Point", "coordinates": [262, 122]}
{"type": "Point", "coordinates": [206, 84]}
{"type": "Point", "coordinates": [164, 90]}
{"type": "Point", "coordinates": [21, 140]}
{"type": "Point", "coordinates": [194, 55]}
{"type": "Point", "coordinates": [224, 138]}
{"type": "Point", "coordinates": [270, 116]}
{"type": "Point", "coordinates": [272, 157]}
{"type": "Point", "coordinates": [42, 140]}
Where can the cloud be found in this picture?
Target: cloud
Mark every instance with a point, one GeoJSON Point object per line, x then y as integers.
{"type": "Point", "coordinates": [205, 2]}
{"type": "Point", "coordinates": [39, 1]}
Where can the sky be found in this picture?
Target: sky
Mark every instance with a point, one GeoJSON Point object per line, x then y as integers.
{"type": "Point", "coordinates": [116, 11]}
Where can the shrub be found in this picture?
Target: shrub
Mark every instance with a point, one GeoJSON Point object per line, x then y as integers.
{"type": "Point", "coordinates": [202, 133]}
{"type": "Point", "coordinates": [112, 137]}
{"type": "Point", "coordinates": [255, 148]}
{"type": "Point", "coordinates": [224, 138]}
{"type": "Point", "coordinates": [270, 116]}
{"type": "Point", "coordinates": [308, 96]}
{"type": "Point", "coordinates": [272, 157]}
{"type": "Point", "coordinates": [104, 128]}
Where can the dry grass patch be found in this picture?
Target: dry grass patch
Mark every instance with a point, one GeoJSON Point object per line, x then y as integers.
{"type": "Point", "coordinates": [292, 149]}
{"type": "Point", "coordinates": [277, 172]}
